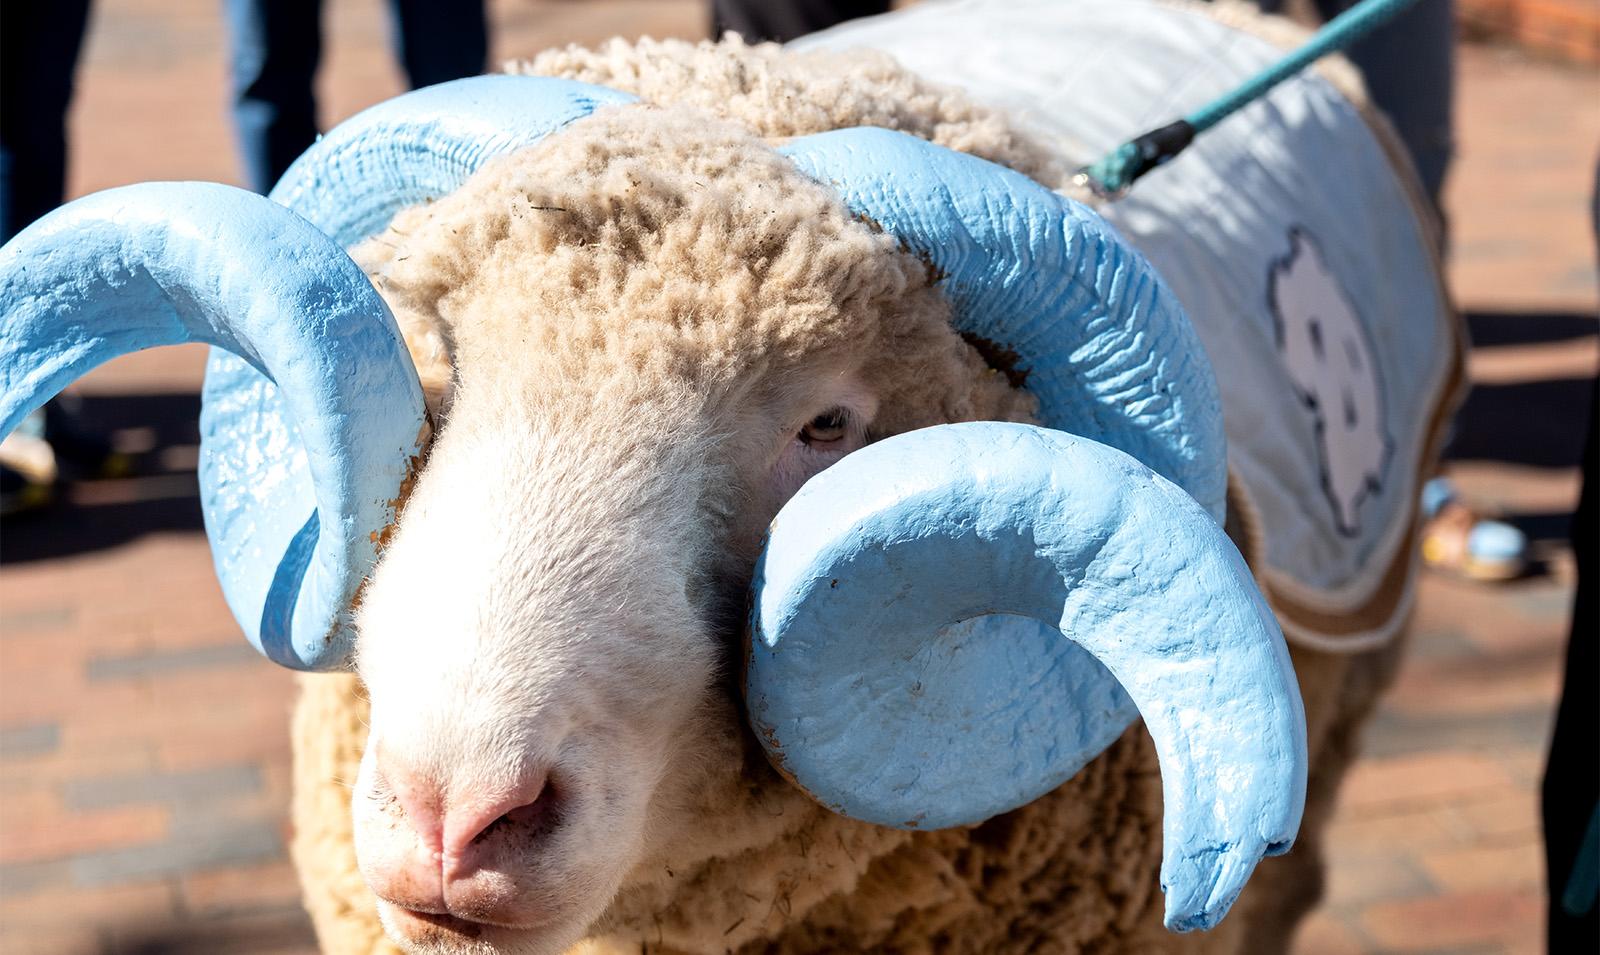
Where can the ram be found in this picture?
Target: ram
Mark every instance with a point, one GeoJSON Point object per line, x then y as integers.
{"type": "Point", "coordinates": [758, 512]}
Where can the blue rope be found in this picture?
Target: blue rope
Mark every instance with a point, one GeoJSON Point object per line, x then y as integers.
{"type": "Point", "coordinates": [1111, 176]}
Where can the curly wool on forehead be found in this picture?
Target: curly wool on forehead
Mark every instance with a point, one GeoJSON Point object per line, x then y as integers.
{"type": "Point", "coordinates": [776, 92]}
{"type": "Point", "coordinates": [655, 241]}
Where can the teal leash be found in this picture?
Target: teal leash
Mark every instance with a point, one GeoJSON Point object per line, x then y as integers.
{"type": "Point", "coordinates": [1110, 177]}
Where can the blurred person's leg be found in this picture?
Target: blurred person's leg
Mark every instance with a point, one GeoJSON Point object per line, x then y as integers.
{"type": "Point", "coordinates": [783, 20]}
{"type": "Point", "coordinates": [1409, 67]}
{"type": "Point", "coordinates": [273, 49]}
{"type": "Point", "coordinates": [1571, 792]}
{"type": "Point", "coordinates": [439, 40]}
{"type": "Point", "coordinates": [1570, 801]}
{"type": "Point", "coordinates": [39, 45]}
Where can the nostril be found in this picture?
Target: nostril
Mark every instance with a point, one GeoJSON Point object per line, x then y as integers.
{"type": "Point", "coordinates": [526, 815]}
{"type": "Point", "coordinates": [524, 806]}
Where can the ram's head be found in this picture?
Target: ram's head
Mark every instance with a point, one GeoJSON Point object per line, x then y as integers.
{"type": "Point", "coordinates": [641, 337]}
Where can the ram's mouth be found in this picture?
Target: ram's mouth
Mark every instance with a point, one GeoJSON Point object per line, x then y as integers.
{"type": "Point", "coordinates": [422, 920]}
{"type": "Point", "coordinates": [438, 932]}
{"type": "Point", "coordinates": [414, 923]}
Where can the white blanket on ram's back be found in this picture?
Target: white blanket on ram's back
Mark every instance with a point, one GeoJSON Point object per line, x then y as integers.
{"type": "Point", "coordinates": [1297, 241]}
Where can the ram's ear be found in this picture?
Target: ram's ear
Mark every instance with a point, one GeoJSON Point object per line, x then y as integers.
{"type": "Point", "coordinates": [868, 691]}
{"type": "Point", "coordinates": [166, 263]}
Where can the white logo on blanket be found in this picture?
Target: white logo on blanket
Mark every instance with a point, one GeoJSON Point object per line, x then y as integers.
{"type": "Point", "coordinates": [1329, 358]}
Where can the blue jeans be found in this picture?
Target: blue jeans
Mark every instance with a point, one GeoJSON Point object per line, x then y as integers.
{"type": "Point", "coordinates": [274, 47]}
{"type": "Point", "coordinates": [39, 44]}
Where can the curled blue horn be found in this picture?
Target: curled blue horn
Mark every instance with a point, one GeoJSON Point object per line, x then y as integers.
{"type": "Point", "coordinates": [1096, 335]}
{"type": "Point", "coordinates": [949, 624]}
{"type": "Point", "coordinates": [868, 692]}
{"type": "Point", "coordinates": [312, 420]}
{"type": "Point", "coordinates": [405, 151]}
{"type": "Point", "coordinates": [169, 263]}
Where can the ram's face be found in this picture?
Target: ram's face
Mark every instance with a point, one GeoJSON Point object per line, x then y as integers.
{"type": "Point", "coordinates": [639, 337]}
{"type": "Point", "coordinates": [543, 644]}
{"type": "Point", "coordinates": [550, 643]}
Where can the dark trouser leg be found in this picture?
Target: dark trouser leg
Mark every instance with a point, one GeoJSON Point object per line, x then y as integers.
{"type": "Point", "coordinates": [39, 44]}
{"type": "Point", "coordinates": [783, 20]}
{"type": "Point", "coordinates": [1409, 66]}
{"type": "Point", "coordinates": [1571, 796]}
{"type": "Point", "coordinates": [273, 47]}
{"type": "Point", "coordinates": [440, 40]}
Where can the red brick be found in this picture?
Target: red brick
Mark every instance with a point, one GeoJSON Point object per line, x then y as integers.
{"type": "Point", "coordinates": [1323, 934]}
{"type": "Point", "coordinates": [49, 694]}
{"type": "Point", "coordinates": [1377, 831]}
{"type": "Point", "coordinates": [75, 904]}
{"type": "Point", "coordinates": [271, 885]}
{"type": "Point", "coordinates": [1526, 766]}
{"type": "Point", "coordinates": [115, 756]}
{"type": "Point", "coordinates": [1507, 867]}
{"type": "Point", "coordinates": [20, 808]}
{"type": "Point", "coordinates": [58, 938]}
{"type": "Point", "coordinates": [266, 742]}
{"type": "Point", "coordinates": [1576, 358]}
{"type": "Point", "coordinates": [1567, 29]}
{"type": "Point", "coordinates": [152, 723]}
{"type": "Point", "coordinates": [1478, 687]}
{"type": "Point", "coordinates": [281, 932]}
{"type": "Point", "coordinates": [1423, 778]}
{"type": "Point", "coordinates": [1454, 921]}
{"type": "Point", "coordinates": [1356, 881]}
{"type": "Point", "coordinates": [1514, 816]}
{"type": "Point", "coordinates": [53, 837]}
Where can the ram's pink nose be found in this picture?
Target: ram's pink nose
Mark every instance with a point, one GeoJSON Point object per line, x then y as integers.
{"type": "Point", "coordinates": [456, 826]}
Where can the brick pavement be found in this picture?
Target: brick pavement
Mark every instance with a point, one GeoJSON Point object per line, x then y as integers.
{"type": "Point", "coordinates": [1436, 846]}
{"type": "Point", "coordinates": [143, 747]}
{"type": "Point", "coordinates": [1563, 29]}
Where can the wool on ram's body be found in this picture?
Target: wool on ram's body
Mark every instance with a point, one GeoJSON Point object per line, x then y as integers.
{"type": "Point", "coordinates": [624, 332]}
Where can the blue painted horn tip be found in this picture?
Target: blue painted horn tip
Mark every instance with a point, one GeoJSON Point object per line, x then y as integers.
{"type": "Point", "coordinates": [1201, 886]}
{"type": "Point", "coordinates": [1202, 922]}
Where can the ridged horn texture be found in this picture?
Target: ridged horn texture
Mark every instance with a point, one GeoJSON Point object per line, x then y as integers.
{"type": "Point", "coordinates": [860, 696]}
{"type": "Point", "coordinates": [907, 665]}
{"type": "Point", "coordinates": [423, 145]}
{"type": "Point", "coordinates": [1104, 345]}
{"type": "Point", "coordinates": [168, 263]}
{"type": "Point", "coordinates": [402, 152]}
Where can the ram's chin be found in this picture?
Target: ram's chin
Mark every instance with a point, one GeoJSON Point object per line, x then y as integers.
{"type": "Point", "coordinates": [423, 934]}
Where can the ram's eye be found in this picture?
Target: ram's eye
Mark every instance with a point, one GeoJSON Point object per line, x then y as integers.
{"type": "Point", "coordinates": [826, 428]}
